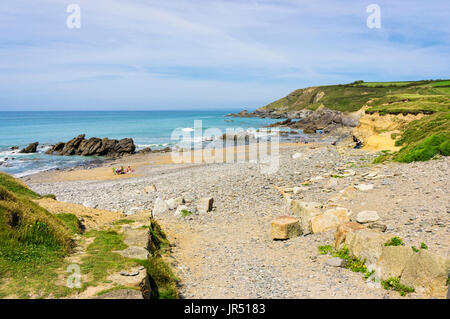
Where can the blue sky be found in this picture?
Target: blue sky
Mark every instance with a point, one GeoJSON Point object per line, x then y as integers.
{"type": "Point", "coordinates": [192, 54]}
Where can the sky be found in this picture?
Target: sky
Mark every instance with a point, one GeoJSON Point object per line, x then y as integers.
{"type": "Point", "coordinates": [209, 54]}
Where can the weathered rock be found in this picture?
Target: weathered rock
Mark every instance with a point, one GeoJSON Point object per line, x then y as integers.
{"type": "Point", "coordinates": [392, 261]}
{"type": "Point", "coordinates": [366, 244]}
{"type": "Point", "coordinates": [364, 187]}
{"type": "Point", "coordinates": [427, 270]}
{"type": "Point", "coordinates": [150, 189]}
{"type": "Point", "coordinates": [30, 148]}
{"type": "Point", "coordinates": [173, 203]}
{"type": "Point", "coordinates": [305, 211]}
{"type": "Point", "coordinates": [343, 230]}
{"type": "Point", "coordinates": [134, 252]}
{"type": "Point", "coordinates": [93, 146]}
{"type": "Point", "coordinates": [285, 227]}
{"type": "Point", "coordinates": [367, 216]}
{"type": "Point", "coordinates": [336, 262]}
{"type": "Point", "coordinates": [205, 204]}
{"type": "Point", "coordinates": [377, 226]}
{"type": "Point", "coordinates": [331, 219]}
{"type": "Point", "coordinates": [136, 237]}
{"type": "Point", "coordinates": [160, 207]}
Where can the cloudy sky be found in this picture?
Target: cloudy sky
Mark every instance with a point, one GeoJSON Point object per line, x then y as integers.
{"type": "Point", "coordinates": [222, 54]}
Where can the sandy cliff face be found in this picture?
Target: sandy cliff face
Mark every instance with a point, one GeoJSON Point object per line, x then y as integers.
{"type": "Point", "coordinates": [375, 130]}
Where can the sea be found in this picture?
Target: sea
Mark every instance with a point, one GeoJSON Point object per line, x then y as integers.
{"type": "Point", "coordinates": [154, 129]}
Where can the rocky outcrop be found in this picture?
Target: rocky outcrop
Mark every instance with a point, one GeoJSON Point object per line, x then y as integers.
{"type": "Point", "coordinates": [93, 146]}
{"type": "Point", "coordinates": [30, 148]}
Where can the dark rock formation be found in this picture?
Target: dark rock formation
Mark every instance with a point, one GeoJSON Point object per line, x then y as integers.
{"type": "Point", "coordinates": [93, 146]}
{"type": "Point", "coordinates": [30, 148]}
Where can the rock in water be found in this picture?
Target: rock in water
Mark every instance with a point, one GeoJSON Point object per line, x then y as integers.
{"type": "Point", "coordinates": [285, 227]}
{"type": "Point", "coordinates": [30, 148]}
{"type": "Point", "coordinates": [93, 146]}
{"type": "Point", "coordinates": [367, 216]}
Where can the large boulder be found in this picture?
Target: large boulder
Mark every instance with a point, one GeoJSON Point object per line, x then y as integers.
{"type": "Point", "coordinates": [30, 148]}
{"type": "Point", "coordinates": [427, 270]}
{"type": "Point", "coordinates": [160, 207]}
{"type": "Point", "coordinates": [305, 211]}
{"type": "Point", "coordinates": [366, 244]}
{"type": "Point", "coordinates": [93, 146]}
{"type": "Point", "coordinates": [392, 261]}
{"type": "Point", "coordinates": [285, 227]}
{"type": "Point", "coordinates": [329, 220]}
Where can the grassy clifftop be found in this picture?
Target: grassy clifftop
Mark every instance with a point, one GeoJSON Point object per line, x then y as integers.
{"type": "Point", "coordinates": [386, 97]}
{"type": "Point", "coordinates": [420, 140]}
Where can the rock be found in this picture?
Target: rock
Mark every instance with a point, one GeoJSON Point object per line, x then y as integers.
{"type": "Point", "coordinates": [348, 173]}
{"type": "Point", "coordinates": [93, 146]}
{"type": "Point", "coordinates": [297, 155]}
{"type": "Point", "coordinates": [205, 204]}
{"type": "Point", "coordinates": [366, 244]}
{"type": "Point", "coordinates": [30, 148]}
{"type": "Point", "coordinates": [285, 227]}
{"type": "Point", "coordinates": [174, 202]}
{"type": "Point", "coordinates": [364, 187]}
{"type": "Point", "coordinates": [150, 189]}
{"type": "Point", "coordinates": [343, 230]}
{"type": "Point", "coordinates": [367, 216]}
{"type": "Point", "coordinates": [331, 219]}
{"type": "Point", "coordinates": [136, 237]}
{"type": "Point", "coordinates": [392, 261]}
{"type": "Point", "coordinates": [160, 207]}
{"type": "Point", "coordinates": [427, 270]}
{"type": "Point", "coordinates": [305, 211]}
{"type": "Point", "coordinates": [377, 226]}
{"type": "Point", "coordinates": [336, 262]}
{"type": "Point", "coordinates": [134, 252]}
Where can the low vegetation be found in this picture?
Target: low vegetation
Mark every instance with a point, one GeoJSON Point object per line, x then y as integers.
{"type": "Point", "coordinates": [33, 243]}
{"type": "Point", "coordinates": [394, 284]}
{"type": "Point", "coordinates": [352, 263]}
{"type": "Point", "coordinates": [395, 241]}
{"type": "Point", "coordinates": [163, 280]}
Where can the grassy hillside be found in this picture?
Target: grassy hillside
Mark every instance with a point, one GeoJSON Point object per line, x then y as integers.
{"type": "Point", "coordinates": [419, 96]}
{"type": "Point", "coordinates": [32, 240]}
{"type": "Point", "coordinates": [421, 139]}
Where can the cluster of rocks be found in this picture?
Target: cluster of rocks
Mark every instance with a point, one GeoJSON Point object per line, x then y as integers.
{"type": "Point", "coordinates": [93, 146]}
{"type": "Point", "coordinates": [180, 204]}
{"type": "Point", "coordinates": [365, 239]}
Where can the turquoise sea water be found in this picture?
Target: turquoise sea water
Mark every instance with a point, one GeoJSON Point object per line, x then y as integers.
{"type": "Point", "coordinates": [147, 128]}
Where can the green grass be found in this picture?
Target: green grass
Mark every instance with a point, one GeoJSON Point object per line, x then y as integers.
{"type": "Point", "coordinates": [123, 221]}
{"type": "Point", "coordinates": [352, 263]}
{"type": "Point", "coordinates": [16, 186]}
{"type": "Point", "coordinates": [185, 213]}
{"type": "Point", "coordinates": [423, 139]}
{"type": "Point", "coordinates": [394, 241]}
{"type": "Point", "coordinates": [33, 243]}
{"type": "Point", "coordinates": [429, 96]}
{"type": "Point", "coordinates": [423, 246]}
{"type": "Point", "coordinates": [71, 222]}
{"type": "Point", "coordinates": [100, 259]}
{"type": "Point", "coordinates": [410, 104]}
{"type": "Point", "coordinates": [394, 284]}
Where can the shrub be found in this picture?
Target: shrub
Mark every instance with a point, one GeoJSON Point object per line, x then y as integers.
{"type": "Point", "coordinates": [394, 284]}
{"type": "Point", "coordinates": [395, 241]}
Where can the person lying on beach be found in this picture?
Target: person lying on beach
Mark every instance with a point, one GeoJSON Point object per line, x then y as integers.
{"type": "Point", "coordinates": [129, 170]}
